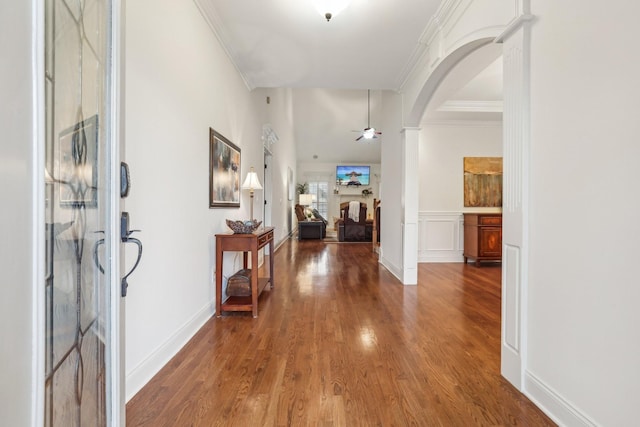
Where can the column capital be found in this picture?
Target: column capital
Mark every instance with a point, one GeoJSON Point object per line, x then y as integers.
{"type": "Point", "coordinates": [408, 129]}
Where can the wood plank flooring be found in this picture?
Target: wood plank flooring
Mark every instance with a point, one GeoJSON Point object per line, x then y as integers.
{"type": "Point", "coordinates": [340, 342]}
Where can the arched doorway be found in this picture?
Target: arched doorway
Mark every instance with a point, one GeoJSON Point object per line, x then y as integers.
{"type": "Point", "coordinates": [515, 40]}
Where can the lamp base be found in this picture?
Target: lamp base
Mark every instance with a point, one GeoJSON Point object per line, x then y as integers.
{"type": "Point", "coordinates": [251, 210]}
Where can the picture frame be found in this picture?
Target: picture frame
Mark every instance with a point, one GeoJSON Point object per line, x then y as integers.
{"type": "Point", "coordinates": [224, 172]}
{"type": "Point", "coordinates": [482, 181]}
{"type": "Point", "coordinates": [76, 170]}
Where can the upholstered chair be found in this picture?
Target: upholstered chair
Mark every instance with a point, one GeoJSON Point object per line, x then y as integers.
{"type": "Point", "coordinates": [352, 231]}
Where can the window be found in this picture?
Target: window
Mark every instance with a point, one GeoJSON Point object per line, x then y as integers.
{"type": "Point", "coordinates": [321, 190]}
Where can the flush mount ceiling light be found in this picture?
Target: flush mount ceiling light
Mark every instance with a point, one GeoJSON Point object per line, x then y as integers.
{"type": "Point", "coordinates": [330, 8]}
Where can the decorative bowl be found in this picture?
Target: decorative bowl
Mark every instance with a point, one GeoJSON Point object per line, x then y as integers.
{"type": "Point", "coordinates": [243, 227]}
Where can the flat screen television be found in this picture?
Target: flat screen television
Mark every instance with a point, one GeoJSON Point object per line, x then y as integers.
{"type": "Point", "coordinates": [353, 175]}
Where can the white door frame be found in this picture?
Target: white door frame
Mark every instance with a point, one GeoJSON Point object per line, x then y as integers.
{"type": "Point", "coordinates": [117, 111]}
{"type": "Point", "coordinates": [267, 179]}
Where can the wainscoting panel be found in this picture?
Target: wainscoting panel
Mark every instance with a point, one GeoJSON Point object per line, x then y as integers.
{"type": "Point", "coordinates": [440, 237]}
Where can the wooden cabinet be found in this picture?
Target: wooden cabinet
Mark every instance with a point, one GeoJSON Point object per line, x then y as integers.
{"type": "Point", "coordinates": [482, 237]}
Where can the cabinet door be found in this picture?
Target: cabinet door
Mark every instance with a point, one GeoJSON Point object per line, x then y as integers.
{"type": "Point", "coordinates": [490, 242]}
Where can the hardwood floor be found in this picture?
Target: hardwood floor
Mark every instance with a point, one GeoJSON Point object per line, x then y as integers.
{"type": "Point", "coordinates": [340, 342]}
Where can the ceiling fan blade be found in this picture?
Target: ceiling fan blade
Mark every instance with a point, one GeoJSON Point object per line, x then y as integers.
{"type": "Point", "coordinates": [359, 138]}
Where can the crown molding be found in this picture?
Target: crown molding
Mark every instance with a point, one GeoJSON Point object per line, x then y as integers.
{"type": "Point", "coordinates": [441, 18]}
{"type": "Point", "coordinates": [210, 16]}
{"type": "Point", "coordinates": [434, 27]}
{"type": "Point", "coordinates": [513, 26]}
{"type": "Point", "coordinates": [431, 42]}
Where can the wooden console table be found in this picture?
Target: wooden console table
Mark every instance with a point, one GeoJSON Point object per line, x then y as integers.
{"type": "Point", "coordinates": [246, 243]}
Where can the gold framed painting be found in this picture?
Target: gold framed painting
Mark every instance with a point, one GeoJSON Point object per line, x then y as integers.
{"type": "Point", "coordinates": [483, 182]}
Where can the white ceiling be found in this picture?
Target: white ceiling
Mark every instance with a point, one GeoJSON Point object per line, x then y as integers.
{"type": "Point", "coordinates": [287, 43]}
{"type": "Point", "coordinates": [372, 44]}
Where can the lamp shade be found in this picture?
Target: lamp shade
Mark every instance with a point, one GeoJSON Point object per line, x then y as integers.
{"type": "Point", "coordinates": [251, 182]}
{"type": "Point", "coordinates": [306, 199]}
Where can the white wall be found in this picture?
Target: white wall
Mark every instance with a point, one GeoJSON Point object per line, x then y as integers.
{"type": "Point", "coordinates": [280, 116]}
{"type": "Point", "coordinates": [179, 84]}
{"type": "Point", "coordinates": [442, 150]}
{"type": "Point", "coordinates": [441, 204]}
{"type": "Point", "coordinates": [583, 335]}
{"type": "Point", "coordinates": [19, 255]}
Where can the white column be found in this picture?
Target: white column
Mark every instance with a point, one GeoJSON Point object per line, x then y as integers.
{"type": "Point", "coordinates": [410, 139]}
{"type": "Point", "coordinates": [515, 209]}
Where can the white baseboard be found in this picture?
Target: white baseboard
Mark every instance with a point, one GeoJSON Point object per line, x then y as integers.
{"type": "Point", "coordinates": [551, 403]}
{"type": "Point", "coordinates": [283, 241]}
{"type": "Point", "coordinates": [142, 374]}
{"type": "Point", "coordinates": [435, 256]}
{"type": "Point", "coordinates": [393, 269]}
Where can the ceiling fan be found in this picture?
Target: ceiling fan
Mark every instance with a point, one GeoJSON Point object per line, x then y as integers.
{"type": "Point", "coordinates": [368, 132]}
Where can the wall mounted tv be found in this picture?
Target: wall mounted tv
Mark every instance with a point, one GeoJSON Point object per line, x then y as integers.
{"type": "Point", "coordinates": [353, 175]}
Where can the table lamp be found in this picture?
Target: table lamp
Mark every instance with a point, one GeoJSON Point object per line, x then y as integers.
{"type": "Point", "coordinates": [251, 183]}
{"type": "Point", "coordinates": [307, 200]}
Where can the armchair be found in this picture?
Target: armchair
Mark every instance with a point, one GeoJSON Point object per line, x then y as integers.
{"type": "Point", "coordinates": [354, 231]}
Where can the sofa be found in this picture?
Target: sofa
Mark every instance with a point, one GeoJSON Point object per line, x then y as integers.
{"type": "Point", "coordinates": [310, 228]}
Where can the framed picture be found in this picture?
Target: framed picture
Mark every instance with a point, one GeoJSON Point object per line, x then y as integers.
{"type": "Point", "coordinates": [482, 181]}
{"type": "Point", "coordinates": [224, 172]}
{"type": "Point", "coordinates": [77, 161]}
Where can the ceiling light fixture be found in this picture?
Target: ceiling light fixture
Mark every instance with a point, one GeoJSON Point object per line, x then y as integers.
{"type": "Point", "coordinates": [369, 132]}
{"type": "Point", "coordinates": [330, 8]}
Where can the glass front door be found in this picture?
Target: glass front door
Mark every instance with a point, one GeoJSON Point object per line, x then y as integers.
{"type": "Point", "coordinates": [77, 212]}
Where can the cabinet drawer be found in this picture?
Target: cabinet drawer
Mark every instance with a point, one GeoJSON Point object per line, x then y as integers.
{"type": "Point", "coordinates": [262, 240]}
{"type": "Point", "coordinates": [490, 220]}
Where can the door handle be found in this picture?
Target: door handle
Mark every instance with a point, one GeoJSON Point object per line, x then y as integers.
{"type": "Point", "coordinates": [123, 284]}
{"type": "Point", "coordinates": [125, 237]}
{"type": "Point", "coordinates": [96, 246]}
